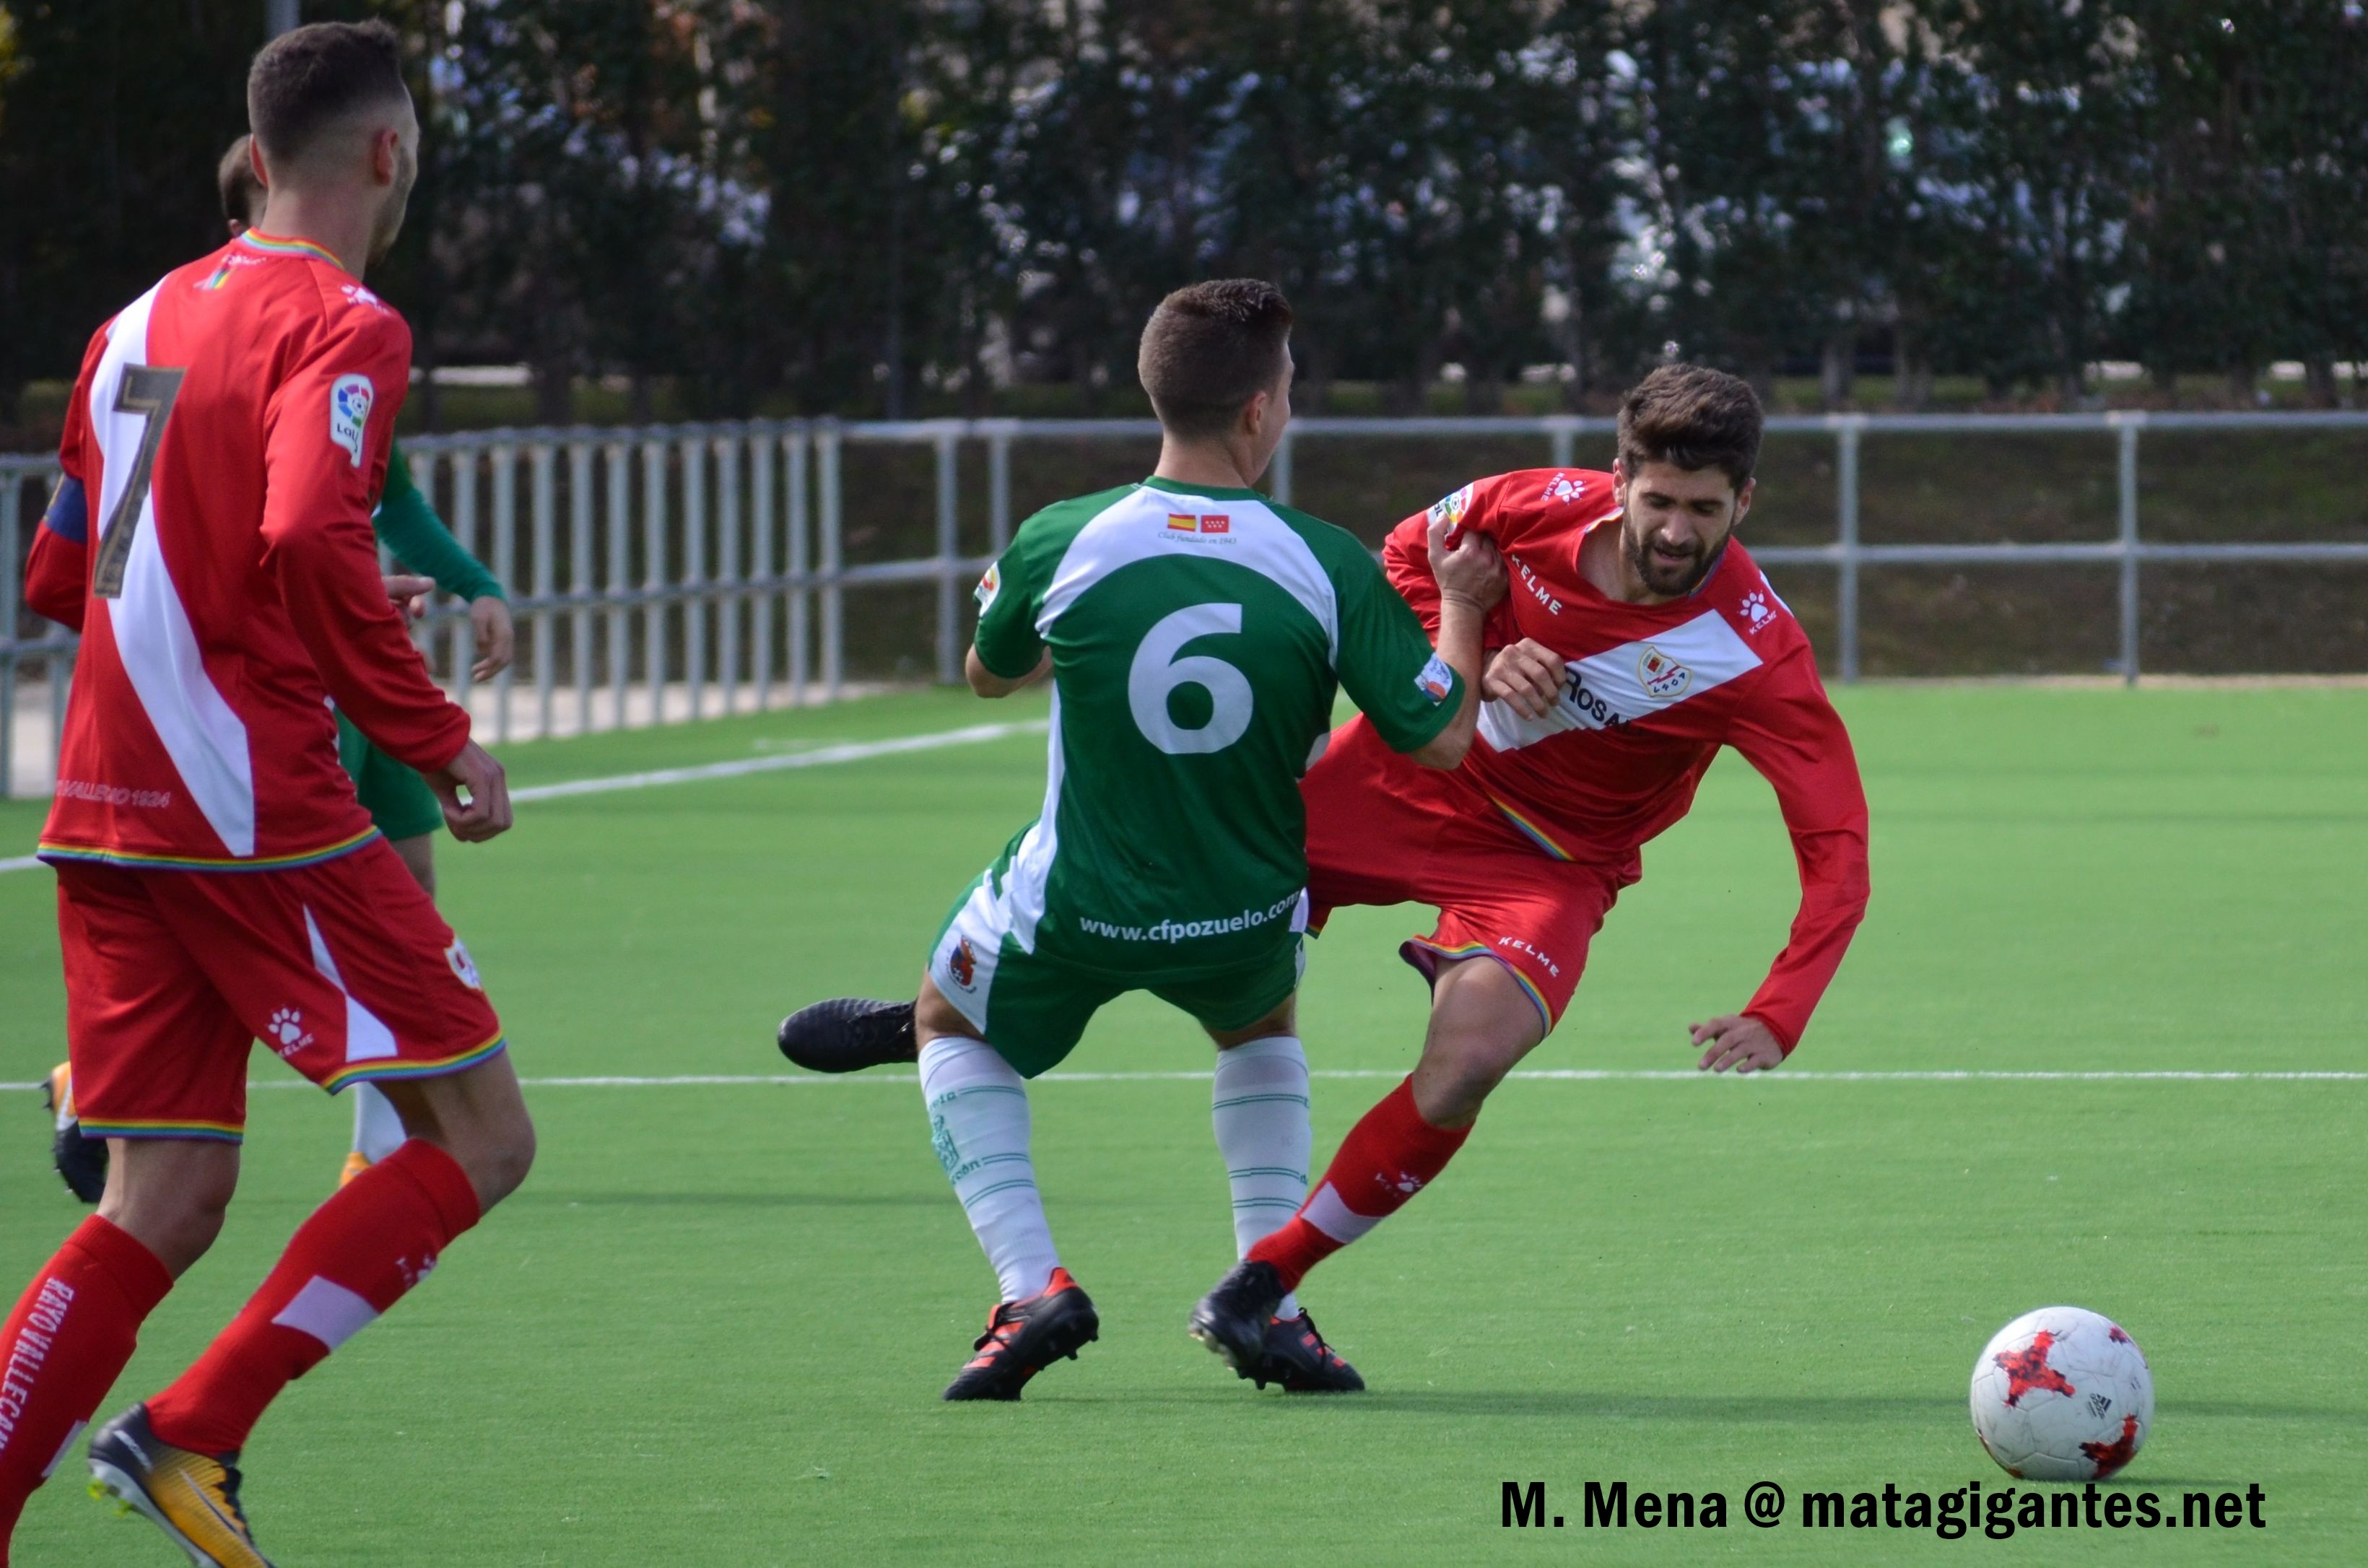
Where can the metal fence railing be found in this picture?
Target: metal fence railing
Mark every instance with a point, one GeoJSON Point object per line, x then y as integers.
{"type": "Point", "coordinates": [679, 573]}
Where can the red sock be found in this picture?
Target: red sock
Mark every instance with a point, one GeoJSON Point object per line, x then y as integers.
{"type": "Point", "coordinates": [63, 1348]}
{"type": "Point", "coordinates": [375, 1239]}
{"type": "Point", "coordinates": [1387, 1157]}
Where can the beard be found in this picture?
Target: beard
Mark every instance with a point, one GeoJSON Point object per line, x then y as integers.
{"type": "Point", "coordinates": [1667, 576]}
{"type": "Point", "coordinates": [390, 216]}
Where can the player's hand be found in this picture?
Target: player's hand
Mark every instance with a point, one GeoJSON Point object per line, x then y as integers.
{"type": "Point", "coordinates": [485, 813]}
{"type": "Point", "coordinates": [1736, 1040]}
{"type": "Point", "coordinates": [489, 617]}
{"type": "Point", "coordinates": [1469, 569]}
{"type": "Point", "coordinates": [409, 593]}
{"type": "Point", "coordinates": [1526, 676]}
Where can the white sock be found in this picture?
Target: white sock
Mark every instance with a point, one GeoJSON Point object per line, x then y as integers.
{"type": "Point", "coordinates": [378, 1130]}
{"type": "Point", "coordinates": [978, 1120]}
{"type": "Point", "coordinates": [1258, 1102]}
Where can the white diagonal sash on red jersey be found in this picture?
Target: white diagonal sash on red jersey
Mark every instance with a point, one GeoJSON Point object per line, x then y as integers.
{"type": "Point", "coordinates": [1632, 681]}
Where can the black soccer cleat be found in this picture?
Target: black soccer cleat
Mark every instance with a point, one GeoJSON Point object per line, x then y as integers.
{"type": "Point", "coordinates": [192, 1497]}
{"type": "Point", "coordinates": [1298, 1359]}
{"type": "Point", "coordinates": [1232, 1319]}
{"type": "Point", "coordinates": [1022, 1339]}
{"type": "Point", "coordinates": [847, 1033]}
{"type": "Point", "coordinates": [82, 1161]}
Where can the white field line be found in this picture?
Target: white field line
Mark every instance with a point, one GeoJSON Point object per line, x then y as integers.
{"type": "Point", "coordinates": [1552, 1074]}
{"type": "Point", "coordinates": [822, 757]}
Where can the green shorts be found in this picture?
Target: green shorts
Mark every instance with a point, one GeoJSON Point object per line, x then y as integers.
{"type": "Point", "coordinates": [1033, 1009]}
{"type": "Point", "coordinates": [399, 801]}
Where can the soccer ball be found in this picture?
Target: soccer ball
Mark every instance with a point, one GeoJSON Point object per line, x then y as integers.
{"type": "Point", "coordinates": [2062, 1394]}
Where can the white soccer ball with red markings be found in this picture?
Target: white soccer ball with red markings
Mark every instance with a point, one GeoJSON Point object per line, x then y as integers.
{"type": "Point", "coordinates": [2062, 1394]}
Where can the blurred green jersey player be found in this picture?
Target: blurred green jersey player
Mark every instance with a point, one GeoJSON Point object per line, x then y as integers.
{"type": "Point", "coordinates": [1195, 633]}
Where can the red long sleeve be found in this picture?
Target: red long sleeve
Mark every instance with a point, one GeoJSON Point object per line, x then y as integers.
{"type": "Point", "coordinates": [319, 546]}
{"type": "Point", "coordinates": [57, 574]}
{"type": "Point", "coordinates": [1795, 738]}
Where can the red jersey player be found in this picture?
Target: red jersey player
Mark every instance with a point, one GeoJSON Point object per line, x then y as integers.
{"type": "Point", "coordinates": [217, 881]}
{"type": "Point", "coordinates": [1637, 639]}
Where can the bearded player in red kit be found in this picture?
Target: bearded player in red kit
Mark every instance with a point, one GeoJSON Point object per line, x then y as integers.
{"type": "Point", "coordinates": [1638, 639]}
{"type": "Point", "coordinates": [217, 881]}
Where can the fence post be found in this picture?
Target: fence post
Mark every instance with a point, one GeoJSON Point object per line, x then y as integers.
{"type": "Point", "coordinates": [579, 578]}
{"type": "Point", "coordinates": [694, 575]}
{"type": "Point", "coordinates": [794, 564]}
{"type": "Point", "coordinates": [2126, 424]}
{"type": "Point", "coordinates": [505, 476]}
{"type": "Point", "coordinates": [1564, 430]}
{"type": "Point", "coordinates": [1278, 472]}
{"type": "Point", "coordinates": [546, 575]}
{"type": "Point", "coordinates": [834, 522]}
{"type": "Point", "coordinates": [654, 574]}
{"type": "Point", "coordinates": [761, 449]}
{"type": "Point", "coordinates": [727, 569]}
{"type": "Point", "coordinates": [1847, 427]}
{"type": "Point", "coordinates": [621, 578]}
{"type": "Point", "coordinates": [999, 488]}
{"type": "Point", "coordinates": [949, 562]}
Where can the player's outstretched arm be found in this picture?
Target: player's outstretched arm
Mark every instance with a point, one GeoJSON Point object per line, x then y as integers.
{"type": "Point", "coordinates": [1789, 733]}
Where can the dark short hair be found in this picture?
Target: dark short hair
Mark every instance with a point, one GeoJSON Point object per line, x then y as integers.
{"type": "Point", "coordinates": [1693, 416]}
{"type": "Point", "coordinates": [306, 79]}
{"type": "Point", "coordinates": [1210, 348]}
{"type": "Point", "coordinates": [236, 177]}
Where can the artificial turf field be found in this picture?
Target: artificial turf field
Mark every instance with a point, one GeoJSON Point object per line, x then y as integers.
{"type": "Point", "coordinates": [713, 1326]}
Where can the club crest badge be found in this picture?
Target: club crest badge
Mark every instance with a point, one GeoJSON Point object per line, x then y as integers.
{"type": "Point", "coordinates": [1662, 677]}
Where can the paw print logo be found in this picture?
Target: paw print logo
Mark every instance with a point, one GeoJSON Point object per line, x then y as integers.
{"type": "Point", "coordinates": [1755, 610]}
{"type": "Point", "coordinates": [288, 1031]}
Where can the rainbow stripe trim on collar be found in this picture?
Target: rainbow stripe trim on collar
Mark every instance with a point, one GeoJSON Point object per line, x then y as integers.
{"type": "Point", "coordinates": [272, 244]}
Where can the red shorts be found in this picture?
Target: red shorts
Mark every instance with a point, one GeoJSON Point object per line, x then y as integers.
{"type": "Point", "coordinates": [344, 969]}
{"type": "Point", "coordinates": [1383, 829]}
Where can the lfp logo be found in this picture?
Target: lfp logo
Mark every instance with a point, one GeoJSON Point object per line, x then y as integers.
{"type": "Point", "coordinates": [350, 409]}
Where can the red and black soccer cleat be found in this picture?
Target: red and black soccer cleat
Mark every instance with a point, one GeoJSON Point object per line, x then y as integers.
{"type": "Point", "coordinates": [1233, 1318]}
{"type": "Point", "coordinates": [1022, 1339]}
{"type": "Point", "coordinates": [1298, 1359]}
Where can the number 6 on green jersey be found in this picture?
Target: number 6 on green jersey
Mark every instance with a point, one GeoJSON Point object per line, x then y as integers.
{"type": "Point", "coordinates": [1197, 637]}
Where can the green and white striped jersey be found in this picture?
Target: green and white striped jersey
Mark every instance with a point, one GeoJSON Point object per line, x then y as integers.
{"type": "Point", "coordinates": [1198, 636]}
